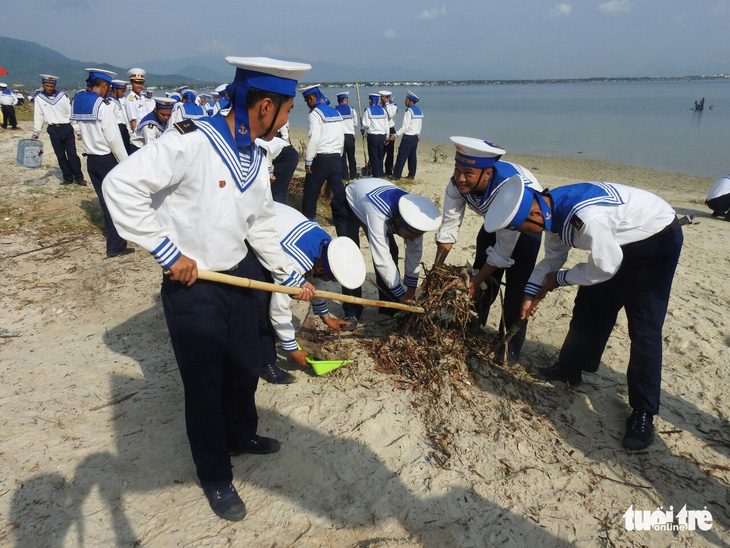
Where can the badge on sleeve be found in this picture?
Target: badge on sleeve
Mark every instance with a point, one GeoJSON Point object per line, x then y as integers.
{"type": "Point", "coordinates": [576, 222]}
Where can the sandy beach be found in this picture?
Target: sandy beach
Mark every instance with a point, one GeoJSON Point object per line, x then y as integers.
{"type": "Point", "coordinates": [93, 447]}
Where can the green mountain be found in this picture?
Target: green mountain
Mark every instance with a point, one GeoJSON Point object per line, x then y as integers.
{"type": "Point", "coordinates": [25, 60]}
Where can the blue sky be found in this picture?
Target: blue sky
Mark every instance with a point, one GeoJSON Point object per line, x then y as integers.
{"type": "Point", "coordinates": [392, 39]}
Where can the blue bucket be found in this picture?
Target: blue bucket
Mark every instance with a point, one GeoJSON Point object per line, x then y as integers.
{"type": "Point", "coordinates": [30, 153]}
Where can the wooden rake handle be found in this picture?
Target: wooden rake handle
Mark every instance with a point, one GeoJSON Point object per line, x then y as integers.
{"type": "Point", "coordinates": [275, 288]}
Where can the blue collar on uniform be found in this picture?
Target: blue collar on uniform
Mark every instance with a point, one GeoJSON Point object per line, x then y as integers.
{"type": "Point", "coordinates": [244, 162]}
{"type": "Point", "coordinates": [150, 120]}
{"type": "Point", "coordinates": [570, 200]}
{"type": "Point", "coordinates": [305, 243]}
{"type": "Point", "coordinates": [385, 198]}
{"type": "Point", "coordinates": [86, 106]}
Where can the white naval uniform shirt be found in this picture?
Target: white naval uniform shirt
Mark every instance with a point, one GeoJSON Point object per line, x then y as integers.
{"type": "Point", "coordinates": [326, 133]}
{"type": "Point", "coordinates": [102, 136]}
{"type": "Point", "coordinates": [50, 110]}
{"type": "Point", "coordinates": [376, 219]}
{"type": "Point", "coordinates": [455, 204]}
{"type": "Point", "coordinates": [180, 194]}
{"type": "Point", "coordinates": [146, 133]}
{"type": "Point", "coordinates": [134, 107]}
{"type": "Point", "coordinates": [602, 231]}
{"type": "Point", "coordinates": [349, 123]}
{"type": "Point", "coordinates": [390, 109]}
{"type": "Point", "coordinates": [720, 188]}
{"type": "Point", "coordinates": [374, 125]}
{"type": "Point", "coordinates": [8, 99]}
{"type": "Point", "coordinates": [119, 112]}
{"type": "Point", "coordinates": [291, 225]}
{"type": "Point", "coordinates": [411, 124]}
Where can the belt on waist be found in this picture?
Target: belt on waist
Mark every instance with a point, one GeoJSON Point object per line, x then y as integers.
{"type": "Point", "coordinates": [319, 155]}
{"type": "Point", "coordinates": [677, 223]}
{"type": "Point", "coordinates": [234, 267]}
{"type": "Point", "coordinates": [59, 125]}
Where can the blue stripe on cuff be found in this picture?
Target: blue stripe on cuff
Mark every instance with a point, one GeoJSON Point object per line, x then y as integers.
{"type": "Point", "coordinates": [166, 253]}
{"type": "Point", "coordinates": [532, 289]}
{"type": "Point", "coordinates": [411, 281]}
{"type": "Point", "coordinates": [289, 346]}
{"type": "Point", "coordinates": [294, 280]}
{"type": "Point", "coordinates": [320, 309]}
{"type": "Point", "coordinates": [398, 291]}
{"type": "Point", "coordinates": [560, 277]}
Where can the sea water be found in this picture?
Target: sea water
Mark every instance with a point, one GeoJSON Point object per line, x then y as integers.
{"type": "Point", "coordinates": [648, 124]}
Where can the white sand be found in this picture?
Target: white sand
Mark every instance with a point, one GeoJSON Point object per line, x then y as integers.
{"type": "Point", "coordinates": [93, 449]}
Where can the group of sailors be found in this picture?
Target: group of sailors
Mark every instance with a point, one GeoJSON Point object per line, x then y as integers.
{"type": "Point", "coordinates": [200, 197]}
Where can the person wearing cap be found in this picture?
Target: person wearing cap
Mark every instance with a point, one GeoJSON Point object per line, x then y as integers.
{"type": "Point", "coordinates": [323, 159]}
{"type": "Point", "coordinates": [187, 109]}
{"type": "Point", "coordinates": [349, 122]}
{"type": "Point", "coordinates": [409, 132]}
{"type": "Point", "coordinates": [478, 173]}
{"type": "Point", "coordinates": [136, 104]}
{"type": "Point", "coordinates": [318, 258]}
{"type": "Point", "coordinates": [718, 199]}
{"type": "Point", "coordinates": [391, 109]}
{"type": "Point", "coordinates": [103, 145]}
{"type": "Point", "coordinates": [206, 103]}
{"type": "Point", "coordinates": [383, 211]}
{"type": "Point", "coordinates": [8, 100]}
{"type": "Point", "coordinates": [223, 101]}
{"type": "Point", "coordinates": [116, 95]}
{"type": "Point", "coordinates": [153, 124]}
{"type": "Point", "coordinates": [375, 125]}
{"type": "Point", "coordinates": [634, 239]}
{"type": "Point", "coordinates": [53, 107]}
{"type": "Point", "coordinates": [199, 197]}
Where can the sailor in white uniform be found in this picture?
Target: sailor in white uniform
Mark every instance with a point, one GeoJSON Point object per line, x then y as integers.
{"type": "Point", "coordinates": [409, 131]}
{"type": "Point", "coordinates": [391, 109]}
{"type": "Point", "coordinates": [634, 239]}
{"type": "Point", "coordinates": [153, 124]}
{"type": "Point", "coordinates": [375, 126]}
{"type": "Point", "coordinates": [119, 89]}
{"type": "Point", "coordinates": [478, 173]}
{"type": "Point", "coordinates": [8, 100]}
{"type": "Point", "coordinates": [198, 197]}
{"type": "Point", "coordinates": [103, 145]}
{"type": "Point", "coordinates": [318, 258]}
{"type": "Point", "coordinates": [349, 123]}
{"type": "Point", "coordinates": [135, 104]}
{"type": "Point", "coordinates": [718, 199]}
{"type": "Point", "coordinates": [187, 109]}
{"type": "Point", "coordinates": [53, 107]}
{"type": "Point", "coordinates": [383, 210]}
{"type": "Point", "coordinates": [323, 160]}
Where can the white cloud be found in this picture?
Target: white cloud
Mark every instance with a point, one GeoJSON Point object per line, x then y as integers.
{"type": "Point", "coordinates": [559, 10]}
{"type": "Point", "coordinates": [390, 33]}
{"type": "Point", "coordinates": [433, 13]}
{"type": "Point", "coordinates": [616, 6]}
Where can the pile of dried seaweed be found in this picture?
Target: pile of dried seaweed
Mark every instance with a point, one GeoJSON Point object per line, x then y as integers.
{"type": "Point", "coordinates": [426, 350]}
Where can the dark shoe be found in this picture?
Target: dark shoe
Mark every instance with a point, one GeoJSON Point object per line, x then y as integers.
{"type": "Point", "coordinates": [125, 251]}
{"type": "Point", "coordinates": [275, 375]}
{"type": "Point", "coordinates": [80, 182]}
{"type": "Point", "coordinates": [351, 323]}
{"type": "Point", "coordinates": [66, 182]}
{"type": "Point", "coordinates": [639, 431]}
{"type": "Point", "coordinates": [556, 373]}
{"type": "Point", "coordinates": [259, 445]}
{"type": "Point", "coordinates": [226, 503]}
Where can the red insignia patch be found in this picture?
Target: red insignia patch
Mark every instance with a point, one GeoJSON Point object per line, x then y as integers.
{"type": "Point", "coordinates": [221, 184]}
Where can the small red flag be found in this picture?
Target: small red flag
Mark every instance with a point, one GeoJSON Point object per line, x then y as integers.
{"type": "Point", "coordinates": [3, 72]}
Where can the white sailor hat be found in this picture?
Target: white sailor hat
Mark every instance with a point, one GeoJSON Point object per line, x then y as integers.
{"type": "Point", "coordinates": [374, 96]}
{"type": "Point", "coordinates": [419, 213]}
{"type": "Point", "coordinates": [269, 74]}
{"type": "Point", "coordinates": [511, 205]}
{"type": "Point", "coordinates": [412, 96]}
{"type": "Point", "coordinates": [221, 88]}
{"type": "Point", "coordinates": [48, 78]}
{"type": "Point", "coordinates": [95, 73]}
{"type": "Point", "coordinates": [343, 261]}
{"type": "Point", "coordinates": [3, 85]}
{"type": "Point", "coordinates": [164, 103]}
{"type": "Point", "coordinates": [471, 152]}
{"type": "Point", "coordinates": [175, 96]}
{"type": "Point", "coordinates": [182, 89]}
{"type": "Point", "coordinates": [119, 84]}
{"type": "Point", "coordinates": [343, 94]}
{"type": "Point", "coordinates": [136, 74]}
{"type": "Point", "coordinates": [308, 90]}
{"type": "Point", "coordinates": [385, 93]}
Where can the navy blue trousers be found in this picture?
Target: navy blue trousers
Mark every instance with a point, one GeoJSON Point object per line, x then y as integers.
{"type": "Point", "coordinates": [376, 152]}
{"type": "Point", "coordinates": [326, 167]}
{"type": "Point", "coordinates": [353, 232]}
{"type": "Point", "coordinates": [267, 335]}
{"type": "Point", "coordinates": [284, 166]}
{"type": "Point", "coordinates": [98, 168]}
{"type": "Point", "coordinates": [407, 151]}
{"type": "Point", "coordinates": [524, 256]}
{"type": "Point", "coordinates": [720, 205]}
{"type": "Point", "coordinates": [348, 157]}
{"type": "Point", "coordinates": [641, 287]}
{"type": "Point", "coordinates": [63, 141]}
{"type": "Point", "coordinates": [9, 116]}
{"type": "Point", "coordinates": [214, 333]}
